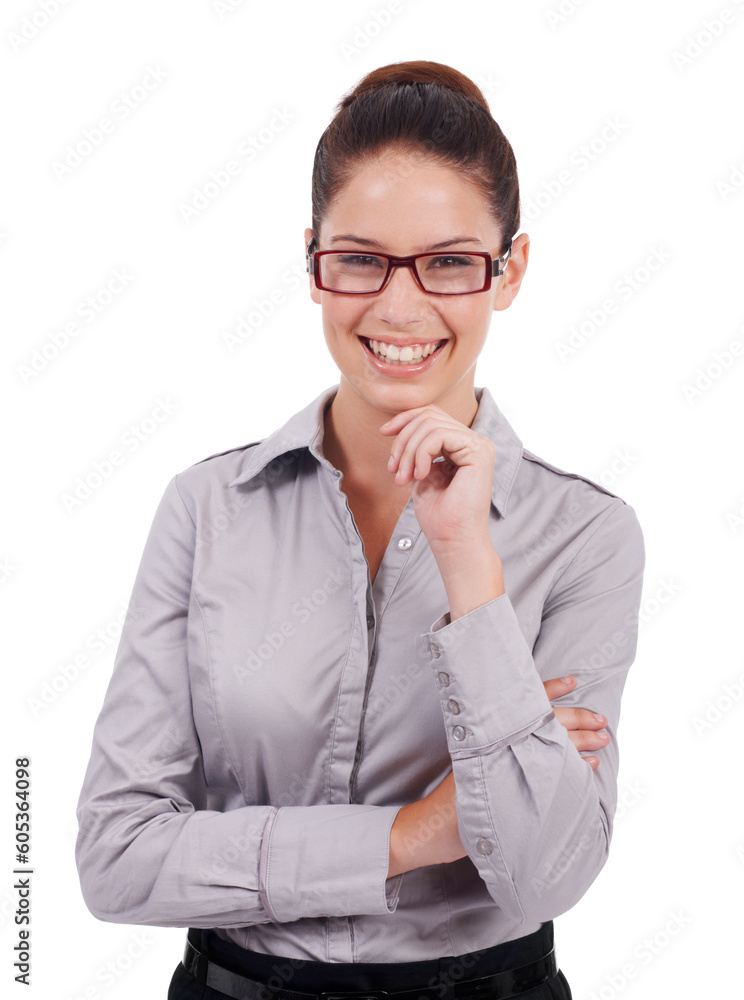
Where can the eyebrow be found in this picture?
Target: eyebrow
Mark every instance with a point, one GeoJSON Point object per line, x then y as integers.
{"type": "Point", "coordinates": [350, 237]}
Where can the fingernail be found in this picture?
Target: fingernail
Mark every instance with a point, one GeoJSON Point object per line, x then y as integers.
{"type": "Point", "coordinates": [390, 462]}
{"type": "Point", "coordinates": [600, 718]}
{"type": "Point", "coordinates": [566, 680]}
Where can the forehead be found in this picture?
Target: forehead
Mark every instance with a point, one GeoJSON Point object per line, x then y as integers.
{"type": "Point", "coordinates": [409, 194]}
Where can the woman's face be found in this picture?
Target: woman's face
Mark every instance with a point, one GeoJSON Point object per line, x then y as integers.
{"type": "Point", "coordinates": [399, 204]}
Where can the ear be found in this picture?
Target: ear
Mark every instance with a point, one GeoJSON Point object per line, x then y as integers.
{"type": "Point", "coordinates": [314, 293]}
{"type": "Point", "coordinates": [511, 280]}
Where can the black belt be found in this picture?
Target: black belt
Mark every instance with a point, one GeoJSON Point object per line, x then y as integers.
{"type": "Point", "coordinates": [497, 987]}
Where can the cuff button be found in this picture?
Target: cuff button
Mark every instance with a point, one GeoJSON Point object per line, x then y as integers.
{"type": "Point", "coordinates": [459, 732]}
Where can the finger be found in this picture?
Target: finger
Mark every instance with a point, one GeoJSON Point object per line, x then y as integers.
{"type": "Point", "coordinates": [421, 441]}
{"type": "Point", "coordinates": [393, 425]}
{"type": "Point", "coordinates": [593, 762]}
{"type": "Point", "coordinates": [423, 452]}
{"type": "Point", "coordinates": [558, 686]}
{"type": "Point", "coordinates": [572, 718]}
{"type": "Point", "coordinates": [583, 718]}
{"type": "Point", "coordinates": [585, 739]}
{"type": "Point", "coordinates": [459, 445]}
{"type": "Point", "coordinates": [407, 428]}
{"type": "Point", "coordinates": [578, 718]}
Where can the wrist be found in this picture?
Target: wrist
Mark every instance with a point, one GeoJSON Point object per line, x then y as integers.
{"type": "Point", "coordinates": [396, 864]}
{"type": "Point", "coordinates": [411, 842]}
{"type": "Point", "coordinates": [472, 576]}
{"type": "Point", "coordinates": [456, 556]}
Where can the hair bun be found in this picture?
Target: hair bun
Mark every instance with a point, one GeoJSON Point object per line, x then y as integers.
{"type": "Point", "coordinates": [417, 71]}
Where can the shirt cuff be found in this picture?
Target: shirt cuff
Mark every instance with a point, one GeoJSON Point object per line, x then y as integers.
{"type": "Point", "coordinates": [489, 687]}
{"type": "Point", "coordinates": [328, 860]}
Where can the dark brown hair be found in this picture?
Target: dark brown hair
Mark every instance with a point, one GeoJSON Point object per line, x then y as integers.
{"type": "Point", "coordinates": [419, 108]}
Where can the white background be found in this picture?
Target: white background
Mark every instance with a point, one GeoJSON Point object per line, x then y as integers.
{"type": "Point", "coordinates": [613, 407]}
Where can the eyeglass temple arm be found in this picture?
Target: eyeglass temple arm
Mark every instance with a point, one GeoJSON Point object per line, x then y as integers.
{"type": "Point", "coordinates": [496, 268]}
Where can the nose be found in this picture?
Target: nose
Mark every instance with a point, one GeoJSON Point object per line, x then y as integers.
{"type": "Point", "coordinates": [402, 303]}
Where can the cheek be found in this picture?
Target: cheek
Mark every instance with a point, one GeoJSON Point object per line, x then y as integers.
{"type": "Point", "coordinates": [468, 320]}
{"type": "Point", "coordinates": [343, 315]}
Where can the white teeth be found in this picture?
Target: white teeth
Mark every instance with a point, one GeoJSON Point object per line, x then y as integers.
{"type": "Point", "coordinates": [402, 355]}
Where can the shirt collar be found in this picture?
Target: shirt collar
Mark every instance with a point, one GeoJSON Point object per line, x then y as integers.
{"type": "Point", "coordinates": [305, 430]}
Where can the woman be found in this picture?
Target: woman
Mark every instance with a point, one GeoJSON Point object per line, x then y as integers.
{"type": "Point", "coordinates": [331, 745]}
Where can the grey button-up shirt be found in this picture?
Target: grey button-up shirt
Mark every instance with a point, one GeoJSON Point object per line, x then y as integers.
{"type": "Point", "coordinates": [270, 710]}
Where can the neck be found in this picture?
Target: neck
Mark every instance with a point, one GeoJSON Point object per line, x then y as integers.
{"type": "Point", "coordinates": [352, 441]}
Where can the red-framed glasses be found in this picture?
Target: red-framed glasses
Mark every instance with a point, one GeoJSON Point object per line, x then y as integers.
{"type": "Point", "coordinates": [350, 272]}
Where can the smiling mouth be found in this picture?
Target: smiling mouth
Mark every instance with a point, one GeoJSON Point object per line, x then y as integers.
{"type": "Point", "coordinates": [410, 354]}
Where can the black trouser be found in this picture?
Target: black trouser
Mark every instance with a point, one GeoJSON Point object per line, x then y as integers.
{"type": "Point", "coordinates": [315, 977]}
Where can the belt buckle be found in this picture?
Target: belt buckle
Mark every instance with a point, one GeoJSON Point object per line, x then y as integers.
{"type": "Point", "coordinates": [354, 994]}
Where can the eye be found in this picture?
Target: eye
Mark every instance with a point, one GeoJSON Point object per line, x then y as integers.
{"type": "Point", "coordinates": [447, 261]}
{"type": "Point", "coordinates": [360, 261]}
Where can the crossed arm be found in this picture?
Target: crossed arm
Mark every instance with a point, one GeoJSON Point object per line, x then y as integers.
{"type": "Point", "coordinates": [425, 832]}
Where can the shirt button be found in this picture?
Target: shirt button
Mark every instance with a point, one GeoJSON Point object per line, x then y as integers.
{"type": "Point", "coordinates": [435, 650]}
{"type": "Point", "coordinates": [404, 543]}
{"type": "Point", "coordinates": [453, 706]}
{"type": "Point", "coordinates": [459, 733]}
{"type": "Point", "coordinates": [370, 621]}
{"type": "Point", "coordinates": [443, 678]}
{"type": "Point", "coordinates": [483, 846]}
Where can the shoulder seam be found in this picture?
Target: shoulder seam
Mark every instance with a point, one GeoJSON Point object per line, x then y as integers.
{"type": "Point", "coordinates": [531, 457]}
{"type": "Point", "coordinates": [227, 451]}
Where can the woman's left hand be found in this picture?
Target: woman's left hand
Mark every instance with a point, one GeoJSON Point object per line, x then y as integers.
{"type": "Point", "coordinates": [451, 498]}
{"type": "Point", "coordinates": [585, 730]}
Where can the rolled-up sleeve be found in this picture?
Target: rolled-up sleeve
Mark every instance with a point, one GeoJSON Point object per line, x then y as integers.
{"type": "Point", "coordinates": [149, 849]}
{"type": "Point", "coordinates": [533, 816]}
